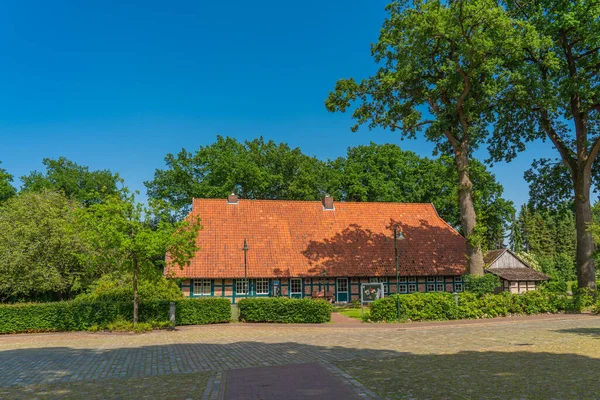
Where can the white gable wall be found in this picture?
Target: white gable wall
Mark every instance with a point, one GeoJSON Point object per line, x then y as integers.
{"type": "Point", "coordinates": [507, 260]}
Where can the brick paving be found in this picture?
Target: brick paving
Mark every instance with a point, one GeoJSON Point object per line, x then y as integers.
{"type": "Point", "coordinates": [62, 358]}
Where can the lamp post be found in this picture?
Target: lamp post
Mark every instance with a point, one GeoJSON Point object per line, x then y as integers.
{"type": "Point", "coordinates": [397, 236]}
{"type": "Point", "coordinates": [245, 248]}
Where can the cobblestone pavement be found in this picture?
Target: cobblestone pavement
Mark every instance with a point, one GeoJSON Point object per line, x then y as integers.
{"type": "Point", "coordinates": [33, 363]}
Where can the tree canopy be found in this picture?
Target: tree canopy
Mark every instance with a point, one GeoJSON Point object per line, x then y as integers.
{"type": "Point", "coordinates": [74, 180]}
{"type": "Point", "coordinates": [7, 190]}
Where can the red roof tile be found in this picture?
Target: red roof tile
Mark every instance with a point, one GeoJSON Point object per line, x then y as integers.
{"type": "Point", "coordinates": [300, 238]}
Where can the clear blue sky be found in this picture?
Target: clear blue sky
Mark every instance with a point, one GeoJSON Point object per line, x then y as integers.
{"type": "Point", "coordinates": [119, 84]}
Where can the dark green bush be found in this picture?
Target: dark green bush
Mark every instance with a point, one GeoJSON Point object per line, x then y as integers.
{"type": "Point", "coordinates": [119, 288]}
{"type": "Point", "coordinates": [481, 285]}
{"type": "Point", "coordinates": [81, 315]}
{"type": "Point", "coordinates": [556, 286]}
{"type": "Point", "coordinates": [284, 310]}
{"type": "Point", "coordinates": [442, 306]}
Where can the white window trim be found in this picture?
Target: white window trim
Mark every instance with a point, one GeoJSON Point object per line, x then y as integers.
{"type": "Point", "coordinates": [415, 287]}
{"type": "Point", "coordinates": [431, 279]}
{"type": "Point", "coordinates": [202, 284]}
{"type": "Point", "coordinates": [338, 285]}
{"type": "Point", "coordinates": [237, 292]}
{"type": "Point", "coordinates": [262, 281]}
{"type": "Point", "coordinates": [437, 287]}
{"type": "Point", "coordinates": [429, 285]}
{"type": "Point", "coordinates": [458, 287]}
{"type": "Point", "coordinates": [292, 286]}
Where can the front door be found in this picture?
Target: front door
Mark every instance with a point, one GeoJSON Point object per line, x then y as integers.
{"type": "Point", "coordinates": [342, 290]}
{"type": "Point", "coordinates": [296, 288]}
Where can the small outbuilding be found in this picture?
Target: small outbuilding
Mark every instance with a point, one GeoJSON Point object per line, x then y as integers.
{"type": "Point", "coordinates": [515, 275]}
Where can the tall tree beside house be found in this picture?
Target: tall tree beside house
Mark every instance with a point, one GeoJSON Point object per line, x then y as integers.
{"type": "Point", "coordinates": [74, 180]}
{"type": "Point", "coordinates": [255, 169]}
{"type": "Point", "coordinates": [135, 239]}
{"type": "Point", "coordinates": [41, 245]}
{"type": "Point", "coordinates": [555, 94]}
{"type": "Point", "coordinates": [441, 72]}
{"type": "Point", "coordinates": [387, 173]}
{"type": "Point", "coordinates": [7, 190]}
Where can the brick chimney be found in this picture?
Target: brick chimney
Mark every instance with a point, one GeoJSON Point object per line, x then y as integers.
{"type": "Point", "coordinates": [232, 198]}
{"type": "Point", "coordinates": [328, 203]}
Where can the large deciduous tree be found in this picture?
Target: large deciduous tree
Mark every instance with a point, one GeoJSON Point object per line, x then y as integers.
{"type": "Point", "coordinates": [555, 94]}
{"type": "Point", "coordinates": [135, 239]}
{"type": "Point", "coordinates": [41, 247]}
{"type": "Point", "coordinates": [75, 181]}
{"type": "Point", "coordinates": [254, 169]}
{"type": "Point", "coordinates": [441, 70]}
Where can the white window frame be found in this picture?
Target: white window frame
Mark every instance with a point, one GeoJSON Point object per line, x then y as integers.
{"type": "Point", "coordinates": [237, 287]}
{"type": "Point", "coordinates": [440, 279]}
{"type": "Point", "coordinates": [438, 285]}
{"type": "Point", "coordinates": [458, 287]}
{"type": "Point", "coordinates": [431, 279]}
{"type": "Point", "coordinates": [261, 285]}
{"type": "Point", "coordinates": [403, 288]}
{"type": "Point", "coordinates": [411, 285]}
{"type": "Point", "coordinates": [412, 279]}
{"type": "Point", "coordinates": [431, 287]}
{"type": "Point", "coordinates": [402, 279]}
{"type": "Point", "coordinates": [338, 285]}
{"type": "Point", "coordinates": [292, 280]}
{"type": "Point", "coordinates": [201, 284]}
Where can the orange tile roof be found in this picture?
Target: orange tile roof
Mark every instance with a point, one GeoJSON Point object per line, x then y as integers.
{"type": "Point", "coordinates": [300, 238]}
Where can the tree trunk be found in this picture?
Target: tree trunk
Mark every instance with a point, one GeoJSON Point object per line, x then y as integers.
{"type": "Point", "coordinates": [586, 274]}
{"type": "Point", "coordinates": [468, 218]}
{"type": "Point", "coordinates": [135, 290]}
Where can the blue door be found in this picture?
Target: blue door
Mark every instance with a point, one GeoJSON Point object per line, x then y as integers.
{"type": "Point", "coordinates": [341, 290]}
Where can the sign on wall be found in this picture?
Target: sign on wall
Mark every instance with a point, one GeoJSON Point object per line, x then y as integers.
{"type": "Point", "coordinates": [369, 292]}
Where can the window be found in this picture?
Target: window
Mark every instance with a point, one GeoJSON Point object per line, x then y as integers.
{"type": "Point", "coordinates": [458, 279]}
{"type": "Point", "coordinates": [202, 287]}
{"type": "Point", "coordinates": [296, 285]}
{"type": "Point", "coordinates": [402, 279]}
{"type": "Point", "coordinates": [439, 279]}
{"type": "Point", "coordinates": [402, 288]}
{"type": "Point", "coordinates": [440, 287]}
{"type": "Point", "coordinates": [381, 279]}
{"type": "Point", "coordinates": [431, 279]}
{"type": "Point", "coordinates": [431, 287]}
{"type": "Point", "coordinates": [412, 288]}
{"type": "Point", "coordinates": [241, 286]}
{"type": "Point", "coordinates": [262, 286]}
{"type": "Point", "coordinates": [458, 287]}
{"type": "Point", "coordinates": [342, 285]}
{"type": "Point", "coordinates": [412, 278]}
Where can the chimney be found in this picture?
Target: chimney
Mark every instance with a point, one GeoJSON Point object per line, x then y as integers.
{"type": "Point", "coordinates": [328, 203]}
{"type": "Point", "coordinates": [232, 198]}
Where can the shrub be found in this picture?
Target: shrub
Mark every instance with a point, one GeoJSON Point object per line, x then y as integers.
{"type": "Point", "coordinates": [556, 286]}
{"type": "Point", "coordinates": [285, 310]}
{"type": "Point", "coordinates": [481, 285]}
{"type": "Point", "coordinates": [583, 299]}
{"type": "Point", "coordinates": [442, 306]}
{"type": "Point", "coordinates": [80, 315]}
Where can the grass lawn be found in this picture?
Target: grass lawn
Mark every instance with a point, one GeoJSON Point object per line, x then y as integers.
{"type": "Point", "coordinates": [351, 312]}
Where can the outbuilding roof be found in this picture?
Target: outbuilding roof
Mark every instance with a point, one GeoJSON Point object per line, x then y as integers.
{"type": "Point", "coordinates": [320, 239]}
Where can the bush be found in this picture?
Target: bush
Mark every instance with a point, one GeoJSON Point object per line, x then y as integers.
{"type": "Point", "coordinates": [583, 299]}
{"type": "Point", "coordinates": [442, 306]}
{"type": "Point", "coordinates": [80, 315]}
{"type": "Point", "coordinates": [285, 310]}
{"type": "Point", "coordinates": [556, 286]}
{"type": "Point", "coordinates": [481, 285]}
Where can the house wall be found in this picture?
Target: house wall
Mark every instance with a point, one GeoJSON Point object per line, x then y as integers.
{"type": "Point", "coordinates": [518, 287]}
{"type": "Point", "coordinates": [326, 287]}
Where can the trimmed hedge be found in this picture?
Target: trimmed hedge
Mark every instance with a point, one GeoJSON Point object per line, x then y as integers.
{"type": "Point", "coordinates": [80, 315]}
{"type": "Point", "coordinates": [442, 306]}
{"type": "Point", "coordinates": [285, 310]}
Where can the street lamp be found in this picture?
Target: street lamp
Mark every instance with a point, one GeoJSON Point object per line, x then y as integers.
{"type": "Point", "coordinates": [398, 235]}
{"type": "Point", "coordinates": [245, 248]}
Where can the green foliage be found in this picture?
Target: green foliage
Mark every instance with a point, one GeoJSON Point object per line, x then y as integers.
{"type": "Point", "coordinates": [556, 286]}
{"type": "Point", "coordinates": [80, 315]}
{"type": "Point", "coordinates": [119, 287]}
{"type": "Point", "coordinates": [7, 190]}
{"type": "Point", "coordinates": [583, 299]}
{"type": "Point", "coordinates": [480, 285]}
{"type": "Point", "coordinates": [42, 246]}
{"type": "Point", "coordinates": [254, 170]}
{"type": "Point", "coordinates": [442, 306]}
{"type": "Point", "coordinates": [73, 180]}
{"type": "Point", "coordinates": [284, 310]}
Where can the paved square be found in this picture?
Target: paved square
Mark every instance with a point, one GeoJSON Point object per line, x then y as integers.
{"type": "Point", "coordinates": [546, 357]}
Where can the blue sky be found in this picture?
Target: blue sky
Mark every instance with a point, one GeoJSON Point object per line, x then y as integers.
{"type": "Point", "coordinates": [119, 85]}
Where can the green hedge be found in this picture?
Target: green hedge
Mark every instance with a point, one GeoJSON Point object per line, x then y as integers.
{"type": "Point", "coordinates": [80, 315]}
{"type": "Point", "coordinates": [284, 310]}
{"type": "Point", "coordinates": [442, 306]}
